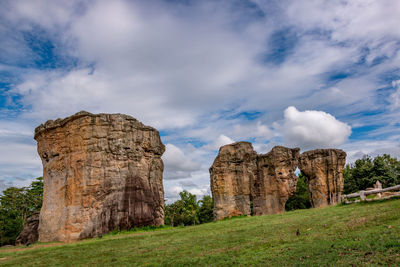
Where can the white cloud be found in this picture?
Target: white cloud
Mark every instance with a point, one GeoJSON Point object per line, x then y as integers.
{"type": "Point", "coordinates": [190, 69]}
{"type": "Point", "coordinates": [313, 129]}
{"type": "Point", "coordinates": [199, 192]}
{"type": "Point", "coordinates": [348, 19]}
{"type": "Point", "coordinates": [177, 164]}
{"type": "Point", "coordinates": [171, 194]}
{"type": "Point", "coordinates": [19, 161]}
{"type": "Point", "coordinates": [19, 164]}
{"type": "Point", "coordinates": [247, 131]}
{"type": "Point", "coordinates": [373, 148]}
{"type": "Point", "coordinates": [223, 140]}
{"type": "Point", "coordinates": [395, 96]}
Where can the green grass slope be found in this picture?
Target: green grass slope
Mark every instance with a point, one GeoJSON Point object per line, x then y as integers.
{"type": "Point", "coordinates": [357, 234]}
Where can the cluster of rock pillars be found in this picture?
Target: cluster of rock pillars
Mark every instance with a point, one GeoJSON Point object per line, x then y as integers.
{"type": "Point", "coordinates": [244, 182]}
{"type": "Point", "coordinates": [104, 171]}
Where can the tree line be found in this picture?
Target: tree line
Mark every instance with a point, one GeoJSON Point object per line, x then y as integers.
{"type": "Point", "coordinates": [18, 204]}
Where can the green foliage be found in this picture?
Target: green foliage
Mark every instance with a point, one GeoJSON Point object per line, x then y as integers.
{"type": "Point", "coordinates": [300, 199]}
{"type": "Point", "coordinates": [206, 209]}
{"type": "Point", "coordinates": [189, 211]}
{"type": "Point", "coordinates": [364, 173]}
{"type": "Point", "coordinates": [16, 205]}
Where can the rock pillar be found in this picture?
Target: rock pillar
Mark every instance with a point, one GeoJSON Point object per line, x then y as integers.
{"type": "Point", "coordinates": [231, 176]}
{"type": "Point", "coordinates": [101, 172]}
{"type": "Point", "coordinates": [324, 171]}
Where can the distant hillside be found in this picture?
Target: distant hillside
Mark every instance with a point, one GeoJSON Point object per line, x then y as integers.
{"type": "Point", "coordinates": [357, 234]}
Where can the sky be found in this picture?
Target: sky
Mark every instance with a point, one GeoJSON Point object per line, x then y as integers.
{"type": "Point", "coordinates": [301, 73]}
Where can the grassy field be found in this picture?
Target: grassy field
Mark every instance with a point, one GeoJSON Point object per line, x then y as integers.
{"type": "Point", "coordinates": [356, 234]}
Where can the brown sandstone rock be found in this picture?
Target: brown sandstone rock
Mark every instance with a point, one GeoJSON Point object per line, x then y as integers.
{"type": "Point", "coordinates": [239, 176]}
{"type": "Point", "coordinates": [275, 181]}
{"type": "Point", "coordinates": [230, 177]}
{"type": "Point", "coordinates": [101, 172]}
{"type": "Point", "coordinates": [324, 171]}
{"type": "Point", "coordinates": [30, 232]}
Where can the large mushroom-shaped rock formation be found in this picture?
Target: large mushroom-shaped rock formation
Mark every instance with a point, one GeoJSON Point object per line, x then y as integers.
{"type": "Point", "coordinates": [231, 176]}
{"type": "Point", "coordinates": [101, 172]}
{"type": "Point", "coordinates": [275, 181]}
{"type": "Point", "coordinates": [324, 171]}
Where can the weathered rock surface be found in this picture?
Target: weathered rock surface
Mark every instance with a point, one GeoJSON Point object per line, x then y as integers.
{"type": "Point", "coordinates": [324, 171]}
{"type": "Point", "coordinates": [239, 176]}
{"type": "Point", "coordinates": [30, 232]}
{"type": "Point", "coordinates": [275, 181]}
{"type": "Point", "coordinates": [231, 176]}
{"type": "Point", "coordinates": [101, 172]}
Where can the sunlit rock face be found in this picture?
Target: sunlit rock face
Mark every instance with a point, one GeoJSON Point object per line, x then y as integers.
{"type": "Point", "coordinates": [324, 171]}
{"type": "Point", "coordinates": [231, 176]}
{"type": "Point", "coordinates": [101, 172]}
{"type": "Point", "coordinates": [241, 179]}
{"type": "Point", "coordinates": [275, 181]}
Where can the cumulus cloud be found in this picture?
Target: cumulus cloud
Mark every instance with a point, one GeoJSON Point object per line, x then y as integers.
{"type": "Point", "coordinates": [190, 70]}
{"type": "Point", "coordinates": [177, 164]}
{"type": "Point", "coordinates": [313, 129]}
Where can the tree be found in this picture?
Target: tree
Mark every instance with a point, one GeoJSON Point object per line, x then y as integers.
{"type": "Point", "coordinates": [364, 173]}
{"type": "Point", "coordinates": [16, 205]}
{"type": "Point", "coordinates": [206, 210]}
{"type": "Point", "coordinates": [300, 199]}
{"type": "Point", "coordinates": [172, 213]}
{"type": "Point", "coordinates": [188, 211]}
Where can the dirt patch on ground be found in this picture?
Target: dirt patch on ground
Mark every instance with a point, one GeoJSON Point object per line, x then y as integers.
{"type": "Point", "coordinates": [354, 223]}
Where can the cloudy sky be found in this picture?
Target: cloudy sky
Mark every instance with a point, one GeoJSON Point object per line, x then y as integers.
{"type": "Point", "coordinates": [306, 73]}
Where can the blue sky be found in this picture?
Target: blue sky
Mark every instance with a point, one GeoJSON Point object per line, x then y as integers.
{"type": "Point", "coordinates": [306, 73]}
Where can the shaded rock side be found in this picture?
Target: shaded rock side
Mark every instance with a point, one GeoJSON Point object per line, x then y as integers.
{"type": "Point", "coordinates": [101, 172]}
{"type": "Point", "coordinates": [324, 171]}
{"type": "Point", "coordinates": [30, 232]}
{"type": "Point", "coordinates": [231, 175]}
{"type": "Point", "coordinates": [275, 180]}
